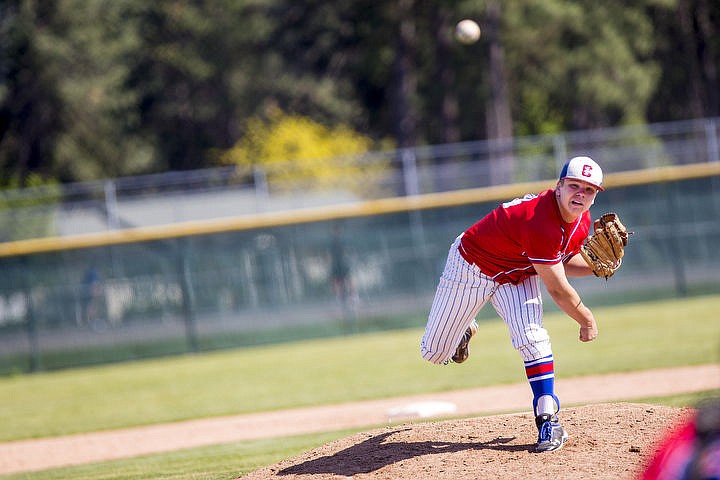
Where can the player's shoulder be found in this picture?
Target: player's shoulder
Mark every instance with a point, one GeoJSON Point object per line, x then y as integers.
{"type": "Point", "coordinates": [542, 205]}
{"type": "Point", "coordinates": [528, 202]}
{"type": "Point", "coordinates": [520, 202]}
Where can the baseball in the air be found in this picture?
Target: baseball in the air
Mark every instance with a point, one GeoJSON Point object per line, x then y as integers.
{"type": "Point", "coordinates": [467, 31]}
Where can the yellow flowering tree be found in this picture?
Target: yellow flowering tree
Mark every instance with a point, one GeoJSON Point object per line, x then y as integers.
{"type": "Point", "coordinates": [297, 152]}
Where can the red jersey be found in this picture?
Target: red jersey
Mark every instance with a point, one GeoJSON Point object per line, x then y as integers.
{"type": "Point", "coordinates": [507, 241]}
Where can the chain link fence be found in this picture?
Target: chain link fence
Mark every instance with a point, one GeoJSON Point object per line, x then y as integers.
{"type": "Point", "coordinates": [331, 277]}
{"type": "Point", "coordinates": [174, 197]}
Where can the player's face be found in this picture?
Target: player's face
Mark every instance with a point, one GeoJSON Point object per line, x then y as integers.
{"type": "Point", "coordinates": [574, 197]}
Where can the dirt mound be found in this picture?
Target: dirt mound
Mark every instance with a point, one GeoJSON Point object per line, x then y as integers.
{"type": "Point", "coordinates": [607, 441]}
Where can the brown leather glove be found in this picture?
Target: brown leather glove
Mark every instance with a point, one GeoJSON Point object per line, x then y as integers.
{"type": "Point", "coordinates": [604, 249]}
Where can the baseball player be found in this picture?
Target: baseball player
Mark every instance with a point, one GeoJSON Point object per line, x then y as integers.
{"type": "Point", "coordinates": [501, 259]}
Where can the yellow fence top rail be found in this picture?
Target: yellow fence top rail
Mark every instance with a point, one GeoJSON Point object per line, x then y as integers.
{"type": "Point", "coordinates": [333, 212]}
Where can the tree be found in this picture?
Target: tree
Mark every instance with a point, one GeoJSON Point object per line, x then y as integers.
{"type": "Point", "coordinates": [182, 74]}
{"type": "Point", "coordinates": [579, 65]}
{"type": "Point", "coordinates": [688, 48]}
{"type": "Point", "coordinates": [293, 150]}
{"type": "Point", "coordinates": [67, 114]}
{"type": "Point", "coordinates": [93, 89]}
{"type": "Point", "coordinates": [88, 44]}
{"type": "Point", "coordinates": [499, 121]}
{"type": "Point", "coordinates": [30, 103]}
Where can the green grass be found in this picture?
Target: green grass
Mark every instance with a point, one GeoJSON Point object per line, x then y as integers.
{"type": "Point", "coordinates": [216, 462]}
{"type": "Point", "coordinates": [93, 355]}
{"type": "Point", "coordinates": [633, 337]}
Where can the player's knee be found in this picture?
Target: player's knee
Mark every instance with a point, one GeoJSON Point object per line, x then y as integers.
{"type": "Point", "coordinates": [533, 351]}
{"type": "Point", "coordinates": [533, 343]}
{"type": "Point", "coordinates": [434, 356]}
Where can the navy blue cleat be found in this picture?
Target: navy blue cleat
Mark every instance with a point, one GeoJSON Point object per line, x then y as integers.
{"type": "Point", "coordinates": [551, 436]}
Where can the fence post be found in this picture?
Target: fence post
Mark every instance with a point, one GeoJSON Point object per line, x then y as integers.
{"type": "Point", "coordinates": [669, 192]}
{"type": "Point", "coordinates": [410, 175]}
{"type": "Point", "coordinates": [712, 140]}
{"type": "Point", "coordinates": [31, 319]}
{"type": "Point", "coordinates": [35, 362]}
{"type": "Point", "coordinates": [560, 151]}
{"type": "Point", "coordinates": [188, 296]}
{"type": "Point", "coordinates": [111, 205]}
{"type": "Point", "coordinates": [412, 187]}
{"type": "Point", "coordinates": [262, 191]}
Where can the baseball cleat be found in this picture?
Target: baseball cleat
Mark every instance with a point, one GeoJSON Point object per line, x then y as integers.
{"type": "Point", "coordinates": [551, 436]}
{"type": "Point", "coordinates": [463, 351]}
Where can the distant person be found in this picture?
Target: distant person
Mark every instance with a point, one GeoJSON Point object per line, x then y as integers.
{"type": "Point", "coordinates": [341, 279]}
{"type": "Point", "coordinates": [92, 298]}
{"type": "Point", "coordinates": [501, 259]}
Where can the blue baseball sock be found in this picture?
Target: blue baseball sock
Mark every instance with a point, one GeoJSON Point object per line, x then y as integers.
{"type": "Point", "coordinates": [541, 375]}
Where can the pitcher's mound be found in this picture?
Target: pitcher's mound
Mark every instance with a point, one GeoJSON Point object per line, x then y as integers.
{"type": "Point", "coordinates": [608, 441]}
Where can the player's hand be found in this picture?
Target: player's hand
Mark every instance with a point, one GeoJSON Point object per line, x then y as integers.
{"type": "Point", "coordinates": [588, 333]}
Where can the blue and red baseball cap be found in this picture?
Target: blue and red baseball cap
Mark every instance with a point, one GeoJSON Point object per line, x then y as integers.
{"type": "Point", "coordinates": [585, 169]}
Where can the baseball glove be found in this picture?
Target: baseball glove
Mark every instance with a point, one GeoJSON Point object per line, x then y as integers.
{"type": "Point", "coordinates": [604, 249]}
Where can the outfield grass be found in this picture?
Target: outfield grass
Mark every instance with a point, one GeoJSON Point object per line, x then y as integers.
{"type": "Point", "coordinates": [632, 337]}
{"type": "Point", "coordinates": [220, 462]}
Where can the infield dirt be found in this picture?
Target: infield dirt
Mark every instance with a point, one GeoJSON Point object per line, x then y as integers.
{"type": "Point", "coordinates": [607, 441]}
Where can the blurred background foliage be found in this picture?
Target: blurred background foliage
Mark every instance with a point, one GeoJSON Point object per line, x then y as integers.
{"type": "Point", "coordinates": [92, 89]}
{"type": "Point", "coordinates": [315, 152]}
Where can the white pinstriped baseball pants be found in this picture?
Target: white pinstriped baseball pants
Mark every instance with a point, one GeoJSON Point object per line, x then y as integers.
{"type": "Point", "coordinates": [462, 291]}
